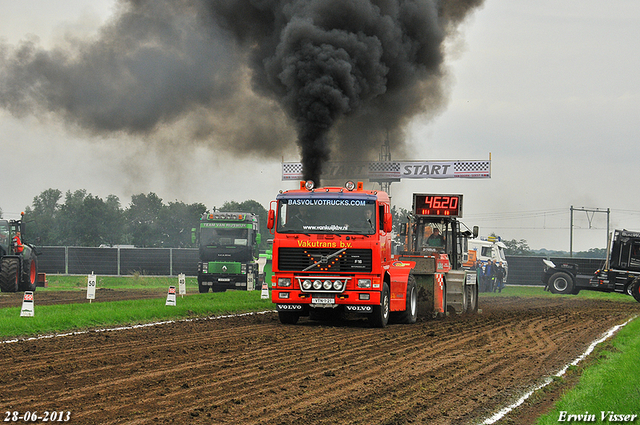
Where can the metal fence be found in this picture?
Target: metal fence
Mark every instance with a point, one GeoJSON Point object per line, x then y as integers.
{"type": "Point", "coordinates": [173, 261]}
{"type": "Point", "coordinates": [118, 261]}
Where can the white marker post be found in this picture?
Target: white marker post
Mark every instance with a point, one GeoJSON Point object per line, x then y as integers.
{"type": "Point", "coordinates": [182, 285]}
{"type": "Point", "coordinates": [27, 305]}
{"type": "Point", "coordinates": [264, 295]}
{"type": "Point", "coordinates": [171, 296]}
{"type": "Point", "coordinates": [91, 287]}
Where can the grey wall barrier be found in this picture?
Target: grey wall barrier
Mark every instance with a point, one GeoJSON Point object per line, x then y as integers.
{"type": "Point", "coordinates": [117, 261]}
{"type": "Point", "coordinates": [173, 261]}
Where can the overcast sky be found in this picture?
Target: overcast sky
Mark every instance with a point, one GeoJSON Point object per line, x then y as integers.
{"type": "Point", "coordinates": [551, 90]}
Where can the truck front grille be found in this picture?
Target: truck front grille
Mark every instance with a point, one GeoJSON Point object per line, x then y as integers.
{"type": "Point", "coordinates": [298, 259]}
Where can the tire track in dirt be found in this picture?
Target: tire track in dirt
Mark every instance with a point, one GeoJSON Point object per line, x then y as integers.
{"type": "Point", "coordinates": [254, 370]}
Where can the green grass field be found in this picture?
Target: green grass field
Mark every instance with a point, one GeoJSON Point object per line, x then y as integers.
{"type": "Point", "coordinates": [610, 384]}
{"type": "Point", "coordinates": [74, 317]}
{"type": "Point", "coordinates": [136, 281]}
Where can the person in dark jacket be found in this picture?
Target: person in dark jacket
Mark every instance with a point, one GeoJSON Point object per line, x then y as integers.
{"type": "Point", "coordinates": [488, 277]}
{"type": "Point", "coordinates": [499, 273]}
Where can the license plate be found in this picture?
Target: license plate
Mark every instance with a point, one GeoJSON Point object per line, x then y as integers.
{"type": "Point", "coordinates": [323, 300]}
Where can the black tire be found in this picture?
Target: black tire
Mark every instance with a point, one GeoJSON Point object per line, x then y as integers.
{"type": "Point", "coordinates": [635, 290]}
{"type": "Point", "coordinates": [380, 316]}
{"type": "Point", "coordinates": [30, 274]}
{"type": "Point", "coordinates": [629, 289]}
{"type": "Point", "coordinates": [561, 283]}
{"type": "Point", "coordinates": [288, 317]}
{"type": "Point", "coordinates": [203, 289]}
{"type": "Point", "coordinates": [410, 314]}
{"type": "Point", "coordinates": [471, 292]}
{"type": "Point", "coordinates": [9, 275]}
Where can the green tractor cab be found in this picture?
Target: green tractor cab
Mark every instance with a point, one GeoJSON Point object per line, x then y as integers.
{"type": "Point", "coordinates": [18, 260]}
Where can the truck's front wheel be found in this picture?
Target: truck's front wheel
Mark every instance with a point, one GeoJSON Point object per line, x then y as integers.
{"type": "Point", "coordinates": [561, 283]}
{"type": "Point", "coordinates": [635, 289]}
{"type": "Point", "coordinates": [380, 316]}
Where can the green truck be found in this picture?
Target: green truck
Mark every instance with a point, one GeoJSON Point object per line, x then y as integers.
{"type": "Point", "coordinates": [228, 251]}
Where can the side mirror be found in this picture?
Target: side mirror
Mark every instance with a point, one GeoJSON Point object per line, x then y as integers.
{"type": "Point", "coordinates": [193, 235]}
{"type": "Point", "coordinates": [476, 231]}
{"type": "Point", "coordinates": [258, 239]}
{"type": "Point", "coordinates": [388, 222]}
{"type": "Point", "coordinates": [271, 219]}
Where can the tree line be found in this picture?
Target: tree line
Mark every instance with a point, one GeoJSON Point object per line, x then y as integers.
{"type": "Point", "coordinates": [81, 219]}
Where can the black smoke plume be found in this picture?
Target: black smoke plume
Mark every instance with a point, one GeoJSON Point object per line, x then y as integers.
{"type": "Point", "coordinates": [344, 72]}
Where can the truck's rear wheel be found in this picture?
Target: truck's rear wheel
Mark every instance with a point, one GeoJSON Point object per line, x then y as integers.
{"type": "Point", "coordinates": [9, 275]}
{"type": "Point", "coordinates": [410, 315]}
{"type": "Point", "coordinates": [561, 283]}
{"type": "Point", "coordinates": [380, 316]}
{"type": "Point", "coordinates": [635, 289]}
{"type": "Point", "coordinates": [288, 317]}
{"type": "Point", "coordinates": [472, 298]}
{"type": "Point", "coordinates": [30, 275]}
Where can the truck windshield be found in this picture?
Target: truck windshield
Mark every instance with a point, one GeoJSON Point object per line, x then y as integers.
{"type": "Point", "coordinates": [326, 216]}
{"type": "Point", "coordinates": [222, 236]}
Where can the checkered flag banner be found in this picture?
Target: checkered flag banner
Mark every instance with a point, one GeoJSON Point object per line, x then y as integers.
{"type": "Point", "coordinates": [472, 169]}
{"type": "Point", "coordinates": [291, 171]}
{"type": "Point", "coordinates": [382, 170]}
{"type": "Point", "coordinates": [386, 170]}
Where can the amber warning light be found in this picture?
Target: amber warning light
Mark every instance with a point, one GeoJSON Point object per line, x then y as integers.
{"type": "Point", "coordinates": [437, 205]}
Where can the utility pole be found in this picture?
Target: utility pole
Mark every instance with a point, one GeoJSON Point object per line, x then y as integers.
{"type": "Point", "coordinates": [587, 211]}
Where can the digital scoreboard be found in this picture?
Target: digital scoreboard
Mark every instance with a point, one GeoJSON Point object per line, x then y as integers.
{"type": "Point", "coordinates": [434, 205]}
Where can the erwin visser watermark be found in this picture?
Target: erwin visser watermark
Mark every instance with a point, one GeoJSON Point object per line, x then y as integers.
{"type": "Point", "coordinates": [605, 416]}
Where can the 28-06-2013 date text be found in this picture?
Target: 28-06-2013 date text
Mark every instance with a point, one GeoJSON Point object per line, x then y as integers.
{"type": "Point", "coordinates": [46, 416]}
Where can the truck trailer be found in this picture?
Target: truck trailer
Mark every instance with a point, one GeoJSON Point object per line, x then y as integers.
{"type": "Point", "coordinates": [621, 271]}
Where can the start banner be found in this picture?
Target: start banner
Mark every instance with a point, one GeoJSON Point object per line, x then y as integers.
{"type": "Point", "coordinates": [395, 170]}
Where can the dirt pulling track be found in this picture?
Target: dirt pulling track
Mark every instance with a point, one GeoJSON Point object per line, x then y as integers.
{"type": "Point", "coordinates": [253, 370]}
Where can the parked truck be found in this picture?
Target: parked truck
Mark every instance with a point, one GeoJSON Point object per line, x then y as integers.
{"type": "Point", "coordinates": [621, 271]}
{"type": "Point", "coordinates": [488, 249]}
{"type": "Point", "coordinates": [228, 249]}
{"type": "Point", "coordinates": [18, 259]}
{"type": "Point", "coordinates": [332, 258]}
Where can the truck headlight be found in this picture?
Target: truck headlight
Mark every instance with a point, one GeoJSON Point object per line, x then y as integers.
{"type": "Point", "coordinates": [284, 281]}
{"type": "Point", "coordinates": [317, 284]}
{"type": "Point", "coordinates": [364, 283]}
{"type": "Point", "coordinates": [327, 284]}
{"type": "Point", "coordinates": [306, 285]}
{"type": "Point", "coordinates": [337, 285]}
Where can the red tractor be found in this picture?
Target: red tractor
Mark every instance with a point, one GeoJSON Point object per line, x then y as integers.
{"type": "Point", "coordinates": [18, 260]}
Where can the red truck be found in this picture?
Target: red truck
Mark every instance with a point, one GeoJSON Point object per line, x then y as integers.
{"type": "Point", "coordinates": [332, 257]}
